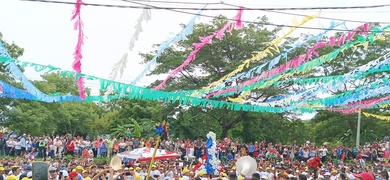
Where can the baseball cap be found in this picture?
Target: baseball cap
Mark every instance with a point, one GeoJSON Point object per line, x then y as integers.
{"type": "Point", "coordinates": [72, 175]}
{"type": "Point", "coordinates": [364, 176]}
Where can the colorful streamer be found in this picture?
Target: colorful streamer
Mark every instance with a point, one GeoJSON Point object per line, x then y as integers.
{"type": "Point", "coordinates": [305, 67]}
{"type": "Point", "coordinates": [78, 26]}
{"type": "Point", "coordinates": [10, 65]}
{"type": "Point", "coordinates": [120, 66]}
{"type": "Point", "coordinates": [374, 66]}
{"type": "Point", "coordinates": [274, 61]}
{"type": "Point", "coordinates": [360, 105]}
{"type": "Point", "coordinates": [188, 29]}
{"type": "Point", "coordinates": [270, 50]}
{"type": "Point", "coordinates": [387, 118]}
{"type": "Point", "coordinates": [198, 46]}
{"type": "Point", "coordinates": [297, 61]}
{"type": "Point", "coordinates": [146, 94]}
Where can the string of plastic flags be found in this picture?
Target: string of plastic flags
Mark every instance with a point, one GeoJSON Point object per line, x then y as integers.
{"type": "Point", "coordinates": [78, 26]}
{"type": "Point", "coordinates": [387, 118]}
{"type": "Point", "coordinates": [270, 50]}
{"type": "Point", "coordinates": [296, 62]}
{"type": "Point", "coordinates": [271, 64]}
{"type": "Point", "coordinates": [204, 41]}
{"type": "Point", "coordinates": [306, 67]}
{"type": "Point", "coordinates": [188, 30]}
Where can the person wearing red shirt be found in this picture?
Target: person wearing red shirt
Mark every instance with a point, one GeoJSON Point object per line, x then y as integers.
{"type": "Point", "coordinates": [70, 147]}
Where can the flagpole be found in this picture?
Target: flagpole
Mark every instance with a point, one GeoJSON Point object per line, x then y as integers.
{"type": "Point", "coordinates": [358, 129]}
{"type": "Point", "coordinates": [154, 155]}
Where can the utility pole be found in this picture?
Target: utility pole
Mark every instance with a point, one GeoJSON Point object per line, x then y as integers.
{"type": "Point", "coordinates": [358, 129]}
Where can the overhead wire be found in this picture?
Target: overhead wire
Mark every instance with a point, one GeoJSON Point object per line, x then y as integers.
{"type": "Point", "coordinates": [262, 23]}
{"type": "Point", "coordinates": [178, 2]}
{"type": "Point", "coordinates": [209, 16]}
{"type": "Point", "coordinates": [214, 9]}
{"type": "Point", "coordinates": [296, 14]}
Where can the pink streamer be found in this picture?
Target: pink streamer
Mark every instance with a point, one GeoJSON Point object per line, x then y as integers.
{"type": "Point", "coordinates": [198, 46]}
{"type": "Point", "coordinates": [296, 62]}
{"type": "Point", "coordinates": [78, 26]}
{"type": "Point", "coordinates": [238, 18]}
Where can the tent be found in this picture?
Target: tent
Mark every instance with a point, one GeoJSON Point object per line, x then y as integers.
{"type": "Point", "coordinates": [145, 154]}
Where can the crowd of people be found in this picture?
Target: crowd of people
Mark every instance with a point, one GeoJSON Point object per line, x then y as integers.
{"type": "Point", "coordinates": [274, 160]}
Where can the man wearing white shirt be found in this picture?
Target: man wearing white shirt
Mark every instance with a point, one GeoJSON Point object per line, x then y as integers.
{"type": "Point", "coordinates": [10, 146]}
{"type": "Point", "coordinates": [323, 154]}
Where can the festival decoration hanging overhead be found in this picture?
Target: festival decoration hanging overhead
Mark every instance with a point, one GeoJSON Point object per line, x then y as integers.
{"type": "Point", "coordinates": [198, 46]}
{"type": "Point", "coordinates": [305, 67]}
{"type": "Point", "coordinates": [78, 26]}
{"type": "Point", "coordinates": [387, 118]}
{"type": "Point", "coordinates": [271, 64]}
{"type": "Point", "coordinates": [120, 66]}
{"type": "Point", "coordinates": [347, 102]}
{"type": "Point", "coordinates": [188, 29]}
{"type": "Point", "coordinates": [270, 50]}
{"type": "Point", "coordinates": [297, 61]}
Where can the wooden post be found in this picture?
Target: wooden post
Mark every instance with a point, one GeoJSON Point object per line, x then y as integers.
{"type": "Point", "coordinates": [154, 155]}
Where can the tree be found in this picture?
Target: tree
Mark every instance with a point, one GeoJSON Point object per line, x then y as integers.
{"type": "Point", "coordinates": [66, 117]}
{"type": "Point", "coordinates": [15, 51]}
{"type": "Point", "coordinates": [212, 63]}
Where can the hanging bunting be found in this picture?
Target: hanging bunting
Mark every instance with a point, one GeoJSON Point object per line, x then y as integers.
{"type": "Point", "coordinates": [78, 26]}
{"type": "Point", "coordinates": [387, 118]}
{"type": "Point", "coordinates": [198, 46]}
{"type": "Point", "coordinates": [120, 66]}
{"type": "Point", "coordinates": [10, 65]}
{"type": "Point", "coordinates": [188, 29]}
{"type": "Point", "coordinates": [270, 50]}
{"type": "Point", "coordinates": [304, 57]}
{"type": "Point", "coordinates": [305, 67]}
{"type": "Point", "coordinates": [374, 66]}
{"type": "Point", "coordinates": [273, 62]}
{"type": "Point", "coordinates": [360, 105]}
{"type": "Point", "coordinates": [137, 93]}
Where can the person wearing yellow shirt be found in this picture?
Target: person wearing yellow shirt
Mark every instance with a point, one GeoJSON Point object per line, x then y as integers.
{"type": "Point", "coordinates": [15, 174]}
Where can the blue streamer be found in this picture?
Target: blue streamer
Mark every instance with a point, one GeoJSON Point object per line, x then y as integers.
{"type": "Point", "coordinates": [18, 75]}
{"type": "Point", "coordinates": [189, 29]}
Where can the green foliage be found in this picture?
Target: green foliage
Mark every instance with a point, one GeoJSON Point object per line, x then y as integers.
{"type": "Point", "coordinates": [120, 130]}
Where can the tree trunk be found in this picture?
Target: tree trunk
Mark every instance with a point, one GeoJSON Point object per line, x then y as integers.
{"type": "Point", "coordinates": [224, 132]}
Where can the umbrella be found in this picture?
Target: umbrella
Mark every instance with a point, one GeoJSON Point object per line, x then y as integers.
{"type": "Point", "coordinates": [145, 154]}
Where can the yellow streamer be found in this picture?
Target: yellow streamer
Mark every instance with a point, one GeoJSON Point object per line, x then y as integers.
{"type": "Point", "coordinates": [260, 55]}
{"type": "Point", "coordinates": [387, 118]}
{"type": "Point", "coordinates": [385, 106]}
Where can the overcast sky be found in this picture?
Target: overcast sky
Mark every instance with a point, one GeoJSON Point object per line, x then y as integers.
{"type": "Point", "coordinates": [46, 33]}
